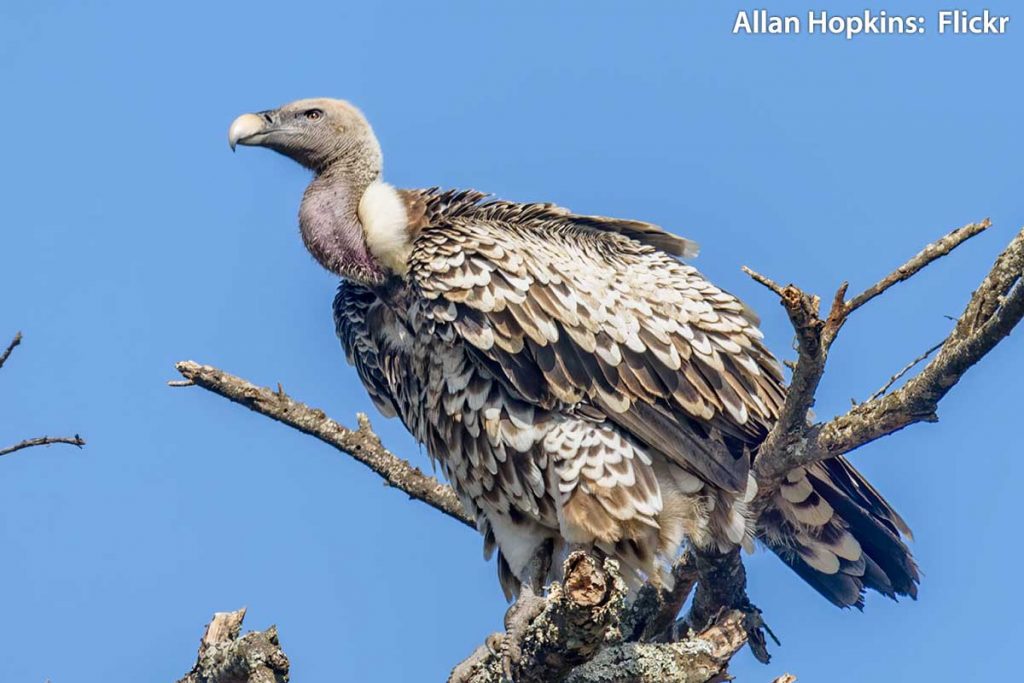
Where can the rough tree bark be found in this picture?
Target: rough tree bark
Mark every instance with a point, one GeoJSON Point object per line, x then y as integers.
{"type": "Point", "coordinates": [225, 656]}
{"type": "Point", "coordinates": [585, 632]}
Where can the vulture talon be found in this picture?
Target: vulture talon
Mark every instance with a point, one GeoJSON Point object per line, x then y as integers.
{"type": "Point", "coordinates": [527, 607]}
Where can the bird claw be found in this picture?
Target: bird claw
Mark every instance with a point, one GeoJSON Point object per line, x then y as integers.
{"type": "Point", "coordinates": [527, 607]}
{"type": "Point", "coordinates": [756, 629]}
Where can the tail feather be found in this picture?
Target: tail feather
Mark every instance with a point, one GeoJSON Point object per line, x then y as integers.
{"type": "Point", "coordinates": [840, 535]}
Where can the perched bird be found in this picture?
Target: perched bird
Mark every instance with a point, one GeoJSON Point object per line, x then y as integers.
{"type": "Point", "coordinates": [579, 385]}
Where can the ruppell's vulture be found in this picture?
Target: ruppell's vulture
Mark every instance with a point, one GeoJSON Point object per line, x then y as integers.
{"type": "Point", "coordinates": [578, 383]}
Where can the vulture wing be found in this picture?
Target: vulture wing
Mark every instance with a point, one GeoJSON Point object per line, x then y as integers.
{"type": "Point", "coordinates": [364, 323]}
{"type": "Point", "coordinates": [594, 315]}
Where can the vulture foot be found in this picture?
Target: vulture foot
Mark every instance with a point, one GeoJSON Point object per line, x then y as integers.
{"type": "Point", "coordinates": [527, 607]}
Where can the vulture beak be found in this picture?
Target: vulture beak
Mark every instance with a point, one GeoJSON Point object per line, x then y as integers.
{"type": "Point", "coordinates": [250, 129]}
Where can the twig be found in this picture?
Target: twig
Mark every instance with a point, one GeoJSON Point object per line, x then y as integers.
{"type": "Point", "coordinates": [10, 347]}
{"type": "Point", "coordinates": [933, 251]}
{"type": "Point", "coordinates": [764, 280]}
{"type": "Point", "coordinates": [904, 370]}
{"type": "Point", "coordinates": [75, 440]}
{"type": "Point", "coordinates": [362, 444]}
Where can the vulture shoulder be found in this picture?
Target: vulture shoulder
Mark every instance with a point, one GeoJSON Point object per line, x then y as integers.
{"type": "Point", "coordinates": [595, 315]}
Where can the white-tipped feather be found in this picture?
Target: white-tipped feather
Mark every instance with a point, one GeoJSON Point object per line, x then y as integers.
{"type": "Point", "coordinates": [796, 492]}
{"type": "Point", "coordinates": [751, 491]}
{"type": "Point", "coordinates": [848, 547]}
{"type": "Point", "coordinates": [736, 527]}
{"type": "Point", "coordinates": [813, 515]}
{"type": "Point", "coordinates": [818, 556]}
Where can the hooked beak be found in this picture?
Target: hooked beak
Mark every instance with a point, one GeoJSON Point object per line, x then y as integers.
{"type": "Point", "coordinates": [250, 129]}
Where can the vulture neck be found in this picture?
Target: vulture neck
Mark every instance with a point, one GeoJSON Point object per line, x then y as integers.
{"type": "Point", "coordinates": [330, 225]}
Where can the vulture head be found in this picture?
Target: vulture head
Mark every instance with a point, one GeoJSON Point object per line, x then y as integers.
{"type": "Point", "coordinates": [319, 133]}
{"type": "Point", "coordinates": [352, 223]}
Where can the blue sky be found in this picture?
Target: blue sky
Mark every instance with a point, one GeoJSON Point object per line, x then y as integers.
{"type": "Point", "coordinates": [133, 238]}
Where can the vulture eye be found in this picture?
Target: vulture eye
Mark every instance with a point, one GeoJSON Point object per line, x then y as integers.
{"type": "Point", "coordinates": [313, 114]}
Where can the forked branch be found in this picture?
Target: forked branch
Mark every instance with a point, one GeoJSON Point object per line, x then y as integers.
{"type": "Point", "coordinates": [994, 309]}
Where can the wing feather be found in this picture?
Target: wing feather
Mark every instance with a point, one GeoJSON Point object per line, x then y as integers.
{"type": "Point", "coordinates": [585, 310]}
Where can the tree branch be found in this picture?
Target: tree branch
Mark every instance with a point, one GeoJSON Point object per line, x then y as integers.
{"type": "Point", "coordinates": [930, 253]}
{"type": "Point", "coordinates": [993, 311]}
{"type": "Point", "coordinates": [75, 440]}
{"type": "Point", "coordinates": [903, 371]}
{"type": "Point", "coordinates": [579, 616]}
{"type": "Point", "coordinates": [699, 659]}
{"type": "Point", "coordinates": [10, 347]}
{"type": "Point", "coordinates": [362, 443]}
{"type": "Point", "coordinates": [223, 657]}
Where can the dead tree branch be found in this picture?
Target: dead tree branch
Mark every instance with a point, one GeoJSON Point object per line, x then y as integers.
{"type": "Point", "coordinates": [362, 443]}
{"type": "Point", "coordinates": [583, 634]}
{"type": "Point", "coordinates": [930, 253]}
{"type": "Point", "coordinates": [993, 311]}
{"type": "Point", "coordinates": [224, 657]}
{"type": "Point", "coordinates": [698, 659]}
{"type": "Point", "coordinates": [904, 370]}
{"type": "Point", "coordinates": [10, 347]}
{"type": "Point", "coordinates": [75, 440]}
{"type": "Point", "coordinates": [579, 616]}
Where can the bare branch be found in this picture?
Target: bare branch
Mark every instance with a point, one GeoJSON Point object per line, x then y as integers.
{"type": "Point", "coordinates": [763, 280]}
{"type": "Point", "coordinates": [223, 657]}
{"type": "Point", "coordinates": [75, 440]}
{"type": "Point", "coordinates": [995, 308]}
{"type": "Point", "coordinates": [10, 347]}
{"type": "Point", "coordinates": [932, 252]}
{"type": "Point", "coordinates": [904, 370]}
{"type": "Point", "coordinates": [362, 444]}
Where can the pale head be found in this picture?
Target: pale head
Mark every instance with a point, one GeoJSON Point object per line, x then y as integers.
{"type": "Point", "coordinates": [351, 222]}
{"type": "Point", "coordinates": [320, 133]}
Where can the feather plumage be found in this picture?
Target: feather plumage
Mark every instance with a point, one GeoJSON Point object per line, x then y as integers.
{"type": "Point", "coordinates": [578, 384]}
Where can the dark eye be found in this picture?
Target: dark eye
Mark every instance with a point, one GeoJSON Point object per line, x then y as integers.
{"type": "Point", "coordinates": [313, 114]}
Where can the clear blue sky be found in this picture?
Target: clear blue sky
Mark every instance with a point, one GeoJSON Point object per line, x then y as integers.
{"type": "Point", "coordinates": [133, 238]}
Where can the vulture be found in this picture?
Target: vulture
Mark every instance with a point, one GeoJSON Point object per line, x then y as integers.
{"type": "Point", "coordinates": [575, 379]}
